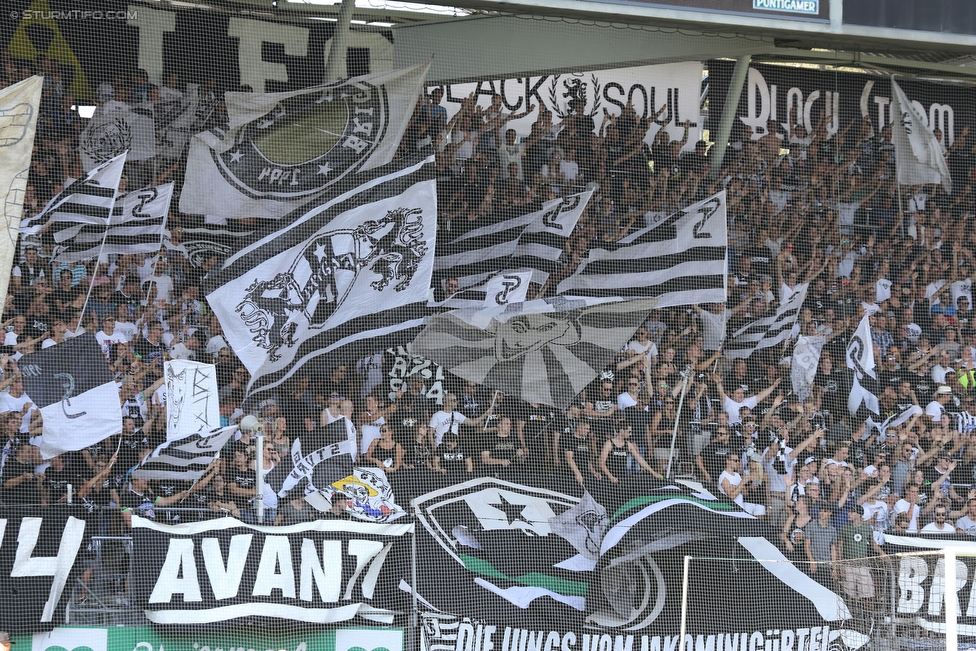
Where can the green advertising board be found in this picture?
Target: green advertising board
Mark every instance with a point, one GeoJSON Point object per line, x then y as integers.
{"type": "Point", "coordinates": [145, 638]}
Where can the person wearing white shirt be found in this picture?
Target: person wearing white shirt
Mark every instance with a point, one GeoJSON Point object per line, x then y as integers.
{"type": "Point", "coordinates": [732, 404]}
{"type": "Point", "coordinates": [449, 420]}
{"type": "Point", "coordinates": [908, 504]}
{"type": "Point", "coordinates": [941, 523]}
{"type": "Point", "coordinates": [967, 523]}
{"type": "Point", "coordinates": [936, 408]}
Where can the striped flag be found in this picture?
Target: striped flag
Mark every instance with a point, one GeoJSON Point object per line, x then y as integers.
{"type": "Point", "coordinates": [90, 199]}
{"type": "Point", "coordinates": [507, 287]}
{"type": "Point", "coordinates": [680, 260]}
{"type": "Point", "coordinates": [136, 226]}
{"type": "Point", "coordinates": [545, 350]}
{"type": "Point", "coordinates": [184, 459]}
{"type": "Point", "coordinates": [768, 331]}
{"type": "Point", "coordinates": [345, 278]}
{"type": "Point", "coordinates": [537, 239]}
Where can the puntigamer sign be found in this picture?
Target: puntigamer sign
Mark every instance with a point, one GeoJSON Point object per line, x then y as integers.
{"type": "Point", "coordinates": [809, 7]}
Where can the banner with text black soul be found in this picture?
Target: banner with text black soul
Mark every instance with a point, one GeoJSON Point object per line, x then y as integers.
{"type": "Point", "coordinates": [773, 92]}
{"type": "Point", "coordinates": [531, 567]}
{"type": "Point", "coordinates": [37, 567]}
{"type": "Point", "coordinates": [319, 572]}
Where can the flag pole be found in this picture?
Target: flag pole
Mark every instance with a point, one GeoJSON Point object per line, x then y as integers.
{"type": "Point", "coordinates": [101, 249]}
{"type": "Point", "coordinates": [677, 416]}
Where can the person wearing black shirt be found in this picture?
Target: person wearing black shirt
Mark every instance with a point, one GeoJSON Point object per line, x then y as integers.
{"type": "Point", "coordinates": [242, 484]}
{"type": "Point", "coordinates": [139, 499]}
{"type": "Point", "coordinates": [619, 453]}
{"type": "Point", "coordinates": [711, 461]}
{"type": "Point", "coordinates": [503, 454]}
{"type": "Point", "coordinates": [578, 454]}
{"type": "Point", "coordinates": [20, 485]}
{"type": "Point", "coordinates": [451, 459]}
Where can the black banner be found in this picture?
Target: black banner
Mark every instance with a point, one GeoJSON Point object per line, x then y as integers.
{"type": "Point", "coordinates": [38, 561]}
{"type": "Point", "coordinates": [322, 572]}
{"type": "Point", "coordinates": [270, 56]}
{"type": "Point", "coordinates": [771, 92]}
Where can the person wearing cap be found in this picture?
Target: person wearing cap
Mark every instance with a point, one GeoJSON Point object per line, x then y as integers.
{"type": "Point", "coordinates": [5, 641]}
{"type": "Point", "coordinates": [108, 336]}
{"type": "Point", "coordinates": [936, 409]}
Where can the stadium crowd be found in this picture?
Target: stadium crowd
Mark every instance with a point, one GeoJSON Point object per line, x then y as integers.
{"type": "Point", "coordinates": [803, 208]}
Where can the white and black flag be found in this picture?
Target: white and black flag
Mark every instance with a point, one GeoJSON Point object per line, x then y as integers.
{"type": "Point", "coordinates": [184, 459]}
{"type": "Point", "coordinates": [74, 388]}
{"type": "Point", "coordinates": [109, 135]}
{"type": "Point", "coordinates": [282, 150]}
{"type": "Point", "coordinates": [545, 350]}
{"type": "Point", "coordinates": [507, 287]}
{"type": "Point", "coordinates": [346, 276]}
{"type": "Point", "coordinates": [533, 241]}
{"type": "Point", "coordinates": [679, 259]}
{"type": "Point", "coordinates": [135, 226]}
{"type": "Point", "coordinates": [89, 199]}
{"type": "Point", "coordinates": [768, 331]}
{"type": "Point", "coordinates": [860, 359]}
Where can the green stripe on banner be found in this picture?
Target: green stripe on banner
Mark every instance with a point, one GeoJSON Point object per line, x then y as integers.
{"type": "Point", "coordinates": [145, 638]}
{"type": "Point", "coordinates": [533, 579]}
{"type": "Point", "coordinates": [644, 500]}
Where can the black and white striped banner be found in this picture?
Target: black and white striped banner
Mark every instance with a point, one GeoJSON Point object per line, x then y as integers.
{"type": "Point", "coordinates": [533, 241]}
{"type": "Point", "coordinates": [136, 226]}
{"type": "Point", "coordinates": [768, 331]}
{"type": "Point", "coordinates": [679, 259]}
{"type": "Point", "coordinates": [89, 200]}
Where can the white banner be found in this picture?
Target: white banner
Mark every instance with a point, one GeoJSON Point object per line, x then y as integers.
{"type": "Point", "coordinates": [674, 86]}
{"type": "Point", "coordinates": [18, 121]}
{"type": "Point", "coordinates": [192, 403]}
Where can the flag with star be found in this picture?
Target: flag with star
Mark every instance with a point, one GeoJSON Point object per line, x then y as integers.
{"type": "Point", "coordinates": [284, 150]}
{"type": "Point", "coordinates": [518, 546]}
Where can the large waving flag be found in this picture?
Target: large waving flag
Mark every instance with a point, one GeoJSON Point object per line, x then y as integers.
{"type": "Point", "coordinates": [135, 226]}
{"type": "Point", "coordinates": [918, 155]}
{"type": "Point", "coordinates": [283, 149]}
{"type": "Point", "coordinates": [533, 241]}
{"type": "Point", "coordinates": [18, 122]}
{"type": "Point", "coordinates": [680, 260]}
{"type": "Point", "coordinates": [89, 200]}
{"type": "Point", "coordinates": [185, 459]}
{"type": "Point", "coordinates": [74, 388]}
{"type": "Point", "coordinates": [545, 351]}
{"type": "Point", "coordinates": [350, 272]}
{"type": "Point", "coordinates": [768, 331]}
